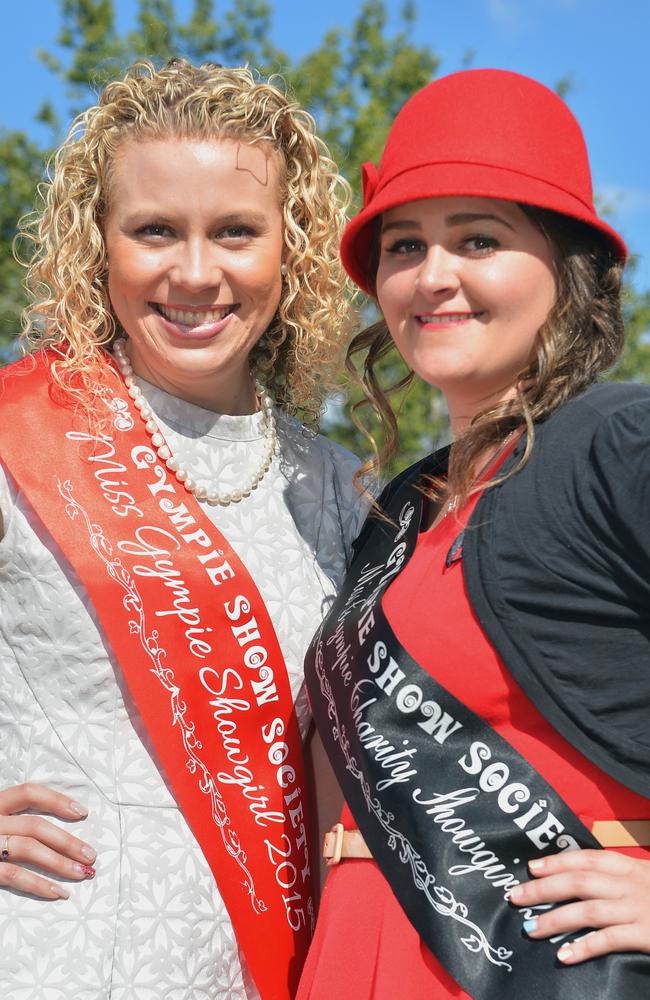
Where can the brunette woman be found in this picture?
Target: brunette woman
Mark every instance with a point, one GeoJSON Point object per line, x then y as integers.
{"type": "Point", "coordinates": [481, 683]}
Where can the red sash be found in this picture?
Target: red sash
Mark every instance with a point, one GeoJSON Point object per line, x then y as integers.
{"type": "Point", "coordinates": [195, 643]}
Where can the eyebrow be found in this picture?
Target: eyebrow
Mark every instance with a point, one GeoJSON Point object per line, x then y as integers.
{"type": "Point", "coordinates": [143, 215]}
{"type": "Point", "coordinates": [236, 218]}
{"type": "Point", "coordinates": [458, 219]}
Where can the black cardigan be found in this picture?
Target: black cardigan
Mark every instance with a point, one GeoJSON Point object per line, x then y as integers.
{"type": "Point", "coordinates": [557, 569]}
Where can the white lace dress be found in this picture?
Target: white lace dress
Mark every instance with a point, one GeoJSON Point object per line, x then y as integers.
{"type": "Point", "coordinates": [151, 925]}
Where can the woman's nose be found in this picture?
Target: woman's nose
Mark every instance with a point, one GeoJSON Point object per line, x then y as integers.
{"type": "Point", "coordinates": [438, 271]}
{"type": "Point", "coordinates": [196, 266]}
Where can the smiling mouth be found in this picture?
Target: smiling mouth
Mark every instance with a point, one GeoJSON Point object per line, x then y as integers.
{"type": "Point", "coordinates": [195, 317]}
{"type": "Point", "coordinates": [442, 318]}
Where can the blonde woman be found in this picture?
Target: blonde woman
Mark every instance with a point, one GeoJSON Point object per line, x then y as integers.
{"type": "Point", "coordinates": [170, 537]}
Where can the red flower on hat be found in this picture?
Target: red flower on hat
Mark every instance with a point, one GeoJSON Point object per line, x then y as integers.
{"type": "Point", "coordinates": [369, 179]}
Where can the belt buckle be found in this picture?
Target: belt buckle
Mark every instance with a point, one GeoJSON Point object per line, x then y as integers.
{"type": "Point", "coordinates": [333, 845]}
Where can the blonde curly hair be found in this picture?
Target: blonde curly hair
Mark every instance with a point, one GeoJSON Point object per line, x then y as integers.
{"type": "Point", "coordinates": [70, 312]}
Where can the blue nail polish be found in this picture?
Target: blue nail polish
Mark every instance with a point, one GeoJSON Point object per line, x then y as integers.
{"type": "Point", "coordinates": [530, 925]}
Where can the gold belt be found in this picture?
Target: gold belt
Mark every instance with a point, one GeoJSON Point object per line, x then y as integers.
{"type": "Point", "coordinates": [339, 843]}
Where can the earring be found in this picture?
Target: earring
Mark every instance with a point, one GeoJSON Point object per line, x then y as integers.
{"type": "Point", "coordinates": [283, 270]}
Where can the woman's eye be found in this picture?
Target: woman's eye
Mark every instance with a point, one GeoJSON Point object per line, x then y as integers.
{"type": "Point", "coordinates": [236, 232]}
{"type": "Point", "coordinates": [404, 247]}
{"type": "Point", "coordinates": [480, 244]}
{"type": "Point", "coordinates": [154, 229]}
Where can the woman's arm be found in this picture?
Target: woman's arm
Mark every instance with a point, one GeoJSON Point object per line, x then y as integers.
{"type": "Point", "coordinates": [325, 799]}
{"type": "Point", "coordinates": [605, 891]}
{"type": "Point", "coordinates": [32, 840]}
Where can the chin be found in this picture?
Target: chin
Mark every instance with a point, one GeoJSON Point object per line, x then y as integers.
{"type": "Point", "coordinates": [452, 377]}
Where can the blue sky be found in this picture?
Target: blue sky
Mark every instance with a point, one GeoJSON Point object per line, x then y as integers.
{"type": "Point", "coordinates": [602, 45]}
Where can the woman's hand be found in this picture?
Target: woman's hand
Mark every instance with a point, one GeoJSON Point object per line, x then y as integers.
{"type": "Point", "coordinates": [613, 897]}
{"type": "Point", "coordinates": [34, 841]}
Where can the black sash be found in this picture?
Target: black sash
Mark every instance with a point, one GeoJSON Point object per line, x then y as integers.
{"type": "Point", "coordinates": [450, 810]}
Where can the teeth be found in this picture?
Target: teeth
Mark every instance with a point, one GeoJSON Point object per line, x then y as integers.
{"type": "Point", "coordinates": [193, 318]}
{"type": "Point", "coordinates": [448, 318]}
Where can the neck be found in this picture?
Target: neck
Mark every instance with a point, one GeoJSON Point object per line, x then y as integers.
{"type": "Point", "coordinates": [232, 393]}
{"type": "Point", "coordinates": [207, 491]}
{"type": "Point", "coordinates": [237, 401]}
{"type": "Point", "coordinates": [463, 409]}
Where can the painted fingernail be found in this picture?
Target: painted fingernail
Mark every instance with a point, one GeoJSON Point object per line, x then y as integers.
{"type": "Point", "coordinates": [516, 892]}
{"type": "Point", "coordinates": [86, 870]}
{"type": "Point", "coordinates": [88, 853]}
{"type": "Point", "coordinates": [565, 953]}
{"type": "Point", "coordinates": [58, 891]}
{"type": "Point", "coordinates": [76, 807]}
{"type": "Point", "coordinates": [536, 865]}
{"type": "Point", "coordinates": [530, 925]}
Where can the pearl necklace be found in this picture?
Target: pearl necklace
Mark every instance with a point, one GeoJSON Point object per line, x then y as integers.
{"type": "Point", "coordinates": [181, 472]}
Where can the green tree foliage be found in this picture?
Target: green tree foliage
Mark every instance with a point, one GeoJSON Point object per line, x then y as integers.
{"type": "Point", "coordinates": [634, 365]}
{"type": "Point", "coordinates": [21, 166]}
{"type": "Point", "coordinates": [353, 82]}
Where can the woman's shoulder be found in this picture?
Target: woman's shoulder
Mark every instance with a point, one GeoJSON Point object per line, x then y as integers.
{"type": "Point", "coordinates": [605, 425]}
{"type": "Point", "coordinates": [36, 364]}
{"type": "Point", "coordinates": [312, 448]}
{"type": "Point", "coordinates": [7, 501]}
{"type": "Point", "coordinates": [434, 464]}
{"type": "Point", "coordinates": [603, 404]}
{"type": "Point", "coordinates": [589, 462]}
{"type": "Point", "coordinates": [326, 463]}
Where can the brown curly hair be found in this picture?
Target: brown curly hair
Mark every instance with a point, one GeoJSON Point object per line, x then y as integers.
{"type": "Point", "coordinates": [582, 337]}
{"type": "Point", "coordinates": [67, 278]}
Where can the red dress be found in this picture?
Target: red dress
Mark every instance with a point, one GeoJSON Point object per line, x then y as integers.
{"type": "Point", "coordinates": [364, 947]}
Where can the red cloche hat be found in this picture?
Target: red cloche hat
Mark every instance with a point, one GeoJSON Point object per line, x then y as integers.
{"type": "Point", "coordinates": [487, 133]}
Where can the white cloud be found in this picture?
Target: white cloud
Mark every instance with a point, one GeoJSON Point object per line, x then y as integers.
{"type": "Point", "coordinates": [507, 13]}
{"type": "Point", "coordinates": [513, 15]}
